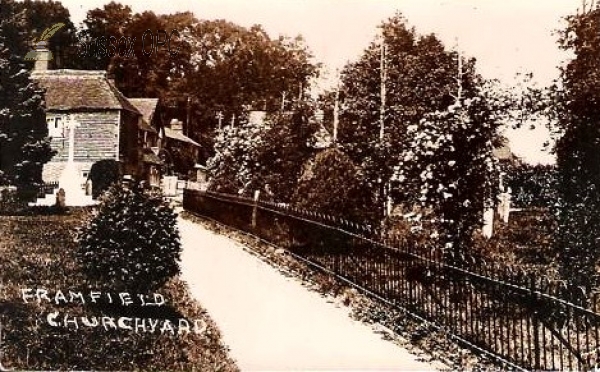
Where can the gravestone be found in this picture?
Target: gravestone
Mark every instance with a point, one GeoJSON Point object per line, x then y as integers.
{"type": "Point", "coordinates": [88, 187]}
{"type": "Point", "coordinates": [504, 206]}
{"type": "Point", "coordinates": [61, 198]}
{"type": "Point", "coordinates": [488, 222]}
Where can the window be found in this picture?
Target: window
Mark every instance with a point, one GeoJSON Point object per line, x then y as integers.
{"type": "Point", "coordinates": [55, 127]}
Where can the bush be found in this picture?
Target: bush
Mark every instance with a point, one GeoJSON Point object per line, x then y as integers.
{"type": "Point", "coordinates": [103, 174]}
{"type": "Point", "coordinates": [533, 185]}
{"type": "Point", "coordinates": [132, 243]}
{"type": "Point", "coordinates": [332, 185]}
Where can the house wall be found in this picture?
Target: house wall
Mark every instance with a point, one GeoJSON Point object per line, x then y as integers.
{"type": "Point", "coordinates": [131, 144]}
{"type": "Point", "coordinates": [96, 138]}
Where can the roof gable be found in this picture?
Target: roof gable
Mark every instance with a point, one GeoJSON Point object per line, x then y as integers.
{"type": "Point", "coordinates": [176, 135]}
{"type": "Point", "coordinates": [146, 106]}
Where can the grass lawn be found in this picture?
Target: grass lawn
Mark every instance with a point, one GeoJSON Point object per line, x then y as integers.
{"type": "Point", "coordinates": [37, 253]}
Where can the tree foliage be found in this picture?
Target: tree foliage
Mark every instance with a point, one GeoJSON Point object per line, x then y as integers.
{"type": "Point", "coordinates": [440, 123]}
{"type": "Point", "coordinates": [235, 69]}
{"type": "Point", "coordinates": [420, 78]}
{"type": "Point", "coordinates": [532, 185]}
{"type": "Point", "coordinates": [267, 156]}
{"type": "Point", "coordinates": [578, 159]}
{"type": "Point", "coordinates": [127, 46]}
{"type": "Point", "coordinates": [288, 144]}
{"type": "Point", "coordinates": [24, 142]}
{"type": "Point", "coordinates": [449, 169]}
{"type": "Point", "coordinates": [38, 15]}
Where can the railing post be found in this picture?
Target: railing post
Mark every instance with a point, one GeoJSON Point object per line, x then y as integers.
{"type": "Point", "coordinates": [536, 326]}
{"type": "Point", "coordinates": [255, 208]}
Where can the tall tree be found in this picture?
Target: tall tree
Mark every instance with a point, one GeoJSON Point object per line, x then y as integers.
{"type": "Point", "coordinates": [419, 116]}
{"type": "Point", "coordinates": [101, 24]}
{"type": "Point", "coordinates": [288, 144]}
{"type": "Point", "coordinates": [236, 68]}
{"type": "Point", "coordinates": [449, 169]}
{"type": "Point", "coordinates": [578, 158]}
{"type": "Point", "coordinates": [157, 59]}
{"type": "Point", "coordinates": [418, 77]}
{"type": "Point", "coordinates": [24, 143]}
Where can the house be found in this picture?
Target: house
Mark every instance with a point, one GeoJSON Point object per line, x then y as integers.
{"type": "Point", "coordinates": [106, 125]}
{"type": "Point", "coordinates": [148, 140]}
{"type": "Point", "coordinates": [178, 151]}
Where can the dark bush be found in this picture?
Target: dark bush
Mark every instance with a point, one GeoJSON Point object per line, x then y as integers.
{"type": "Point", "coordinates": [332, 185]}
{"type": "Point", "coordinates": [533, 186]}
{"type": "Point", "coordinates": [132, 243]}
{"type": "Point", "coordinates": [103, 174]}
{"type": "Point", "coordinates": [28, 193]}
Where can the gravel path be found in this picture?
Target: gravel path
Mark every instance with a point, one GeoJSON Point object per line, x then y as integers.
{"type": "Point", "coordinates": [273, 323]}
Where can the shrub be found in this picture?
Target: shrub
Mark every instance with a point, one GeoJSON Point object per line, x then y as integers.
{"type": "Point", "coordinates": [332, 185]}
{"type": "Point", "coordinates": [533, 185]}
{"type": "Point", "coordinates": [132, 243]}
{"type": "Point", "coordinates": [103, 174]}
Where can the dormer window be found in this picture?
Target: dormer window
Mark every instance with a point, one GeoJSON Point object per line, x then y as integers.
{"type": "Point", "coordinates": [55, 127]}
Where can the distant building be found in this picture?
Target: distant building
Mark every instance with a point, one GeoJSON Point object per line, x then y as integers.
{"type": "Point", "coordinates": [176, 149]}
{"type": "Point", "coordinates": [109, 126]}
{"type": "Point", "coordinates": [148, 140]}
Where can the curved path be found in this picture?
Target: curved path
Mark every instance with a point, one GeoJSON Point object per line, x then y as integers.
{"type": "Point", "coordinates": [273, 323]}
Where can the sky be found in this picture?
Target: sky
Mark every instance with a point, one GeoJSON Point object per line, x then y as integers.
{"type": "Point", "coordinates": [505, 36]}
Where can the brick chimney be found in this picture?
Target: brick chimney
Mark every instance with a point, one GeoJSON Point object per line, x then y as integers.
{"type": "Point", "coordinates": [42, 57]}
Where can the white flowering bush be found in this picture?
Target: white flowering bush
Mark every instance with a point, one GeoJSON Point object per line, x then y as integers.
{"type": "Point", "coordinates": [267, 156]}
{"type": "Point", "coordinates": [236, 157]}
{"type": "Point", "coordinates": [448, 169]}
{"type": "Point", "coordinates": [132, 243]}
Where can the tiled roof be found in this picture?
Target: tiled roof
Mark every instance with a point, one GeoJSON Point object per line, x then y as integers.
{"type": "Point", "coordinates": [147, 106]}
{"type": "Point", "coordinates": [80, 89]}
{"type": "Point", "coordinates": [176, 135]}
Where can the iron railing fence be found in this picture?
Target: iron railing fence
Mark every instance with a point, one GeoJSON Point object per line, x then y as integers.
{"type": "Point", "coordinates": [522, 320]}
{"type": "Point", "coordinates": [47, 188]}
